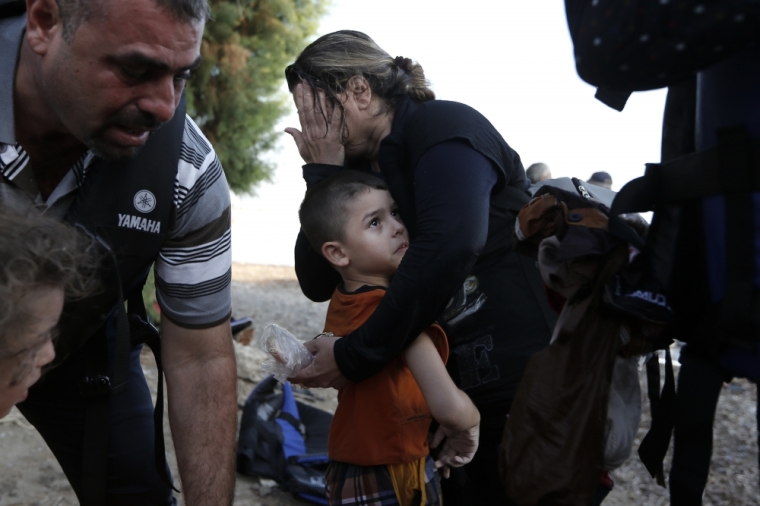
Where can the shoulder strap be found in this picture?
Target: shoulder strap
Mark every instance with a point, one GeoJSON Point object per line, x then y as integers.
{"type": "Point", "coordinates": [655, 444]}
{"type": "Point", "coordinates": [514, 198]}
{"type": "Point", "coordinates": [697, 175]}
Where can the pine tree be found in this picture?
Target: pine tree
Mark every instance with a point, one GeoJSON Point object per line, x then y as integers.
{"type": "Point", "coordinates": [235, 95]}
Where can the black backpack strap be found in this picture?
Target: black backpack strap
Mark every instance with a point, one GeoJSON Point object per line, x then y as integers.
{"type": "Point", "coordinates": [698, 175]}
{"type": "Point", "coordinates": [97, 388]}
{"type": "Point", "coordinates": [132, 327]}
{"type": "Point", "coordinates": [143, 332]}
{"type": "Point", "coordinates": [515, 198]}
{"type": "Point", "coordinates": [653, 448]}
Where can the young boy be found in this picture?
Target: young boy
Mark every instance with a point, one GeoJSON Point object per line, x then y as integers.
{"type": "Point", "coordinates": [378, 438]}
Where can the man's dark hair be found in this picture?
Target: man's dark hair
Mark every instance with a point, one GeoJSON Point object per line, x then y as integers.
{"type": "Point", "coordinates": [324, 212]}
{"type": "Point", "coordinates": [74, 12]}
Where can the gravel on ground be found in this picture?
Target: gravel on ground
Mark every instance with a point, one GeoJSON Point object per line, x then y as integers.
{"type": "Point", "coordinates": [31, 476]}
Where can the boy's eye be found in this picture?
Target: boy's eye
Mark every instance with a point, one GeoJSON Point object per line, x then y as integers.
{"type": "Point", "coordinates": [394, 212]}
{"type": "Point", "coordinates": [375, 222]}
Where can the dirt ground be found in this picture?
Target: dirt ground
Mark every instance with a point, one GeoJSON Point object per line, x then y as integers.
{"type": "Point", "coordinates": [30, 475]}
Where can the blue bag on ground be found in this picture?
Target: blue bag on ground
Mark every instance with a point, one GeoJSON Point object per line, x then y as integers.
{"type": "Point", "coordinates": [284, 440]}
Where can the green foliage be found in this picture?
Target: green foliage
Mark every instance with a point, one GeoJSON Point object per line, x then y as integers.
{"type": "Point", "coordinates": [235, 97]}
{"type": "Point", "coordinates": [149, 298]}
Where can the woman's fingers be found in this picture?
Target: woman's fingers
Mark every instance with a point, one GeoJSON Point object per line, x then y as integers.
{"type": "Point", "coordinates": [333, 116]}
{"type": "Point", "coordinates": [336, 120]}
{"type": "Point", "coordinates": [304, 108]}
{"type": "Point", "coordinates": [326, 106]}
{"type": "Point", "coordinates": [311, 112]}
{"type": "Point", "coordinates": [304, 99]}
{"type": "Point", "coordinates": [319, 139]}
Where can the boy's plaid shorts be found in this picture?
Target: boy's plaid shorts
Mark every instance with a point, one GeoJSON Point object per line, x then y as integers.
{"type": "Point", "coordinates": [350, 485]}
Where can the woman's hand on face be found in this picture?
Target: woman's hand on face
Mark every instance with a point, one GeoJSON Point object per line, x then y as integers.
{"type": "Point", "coordinates": [318, 141]}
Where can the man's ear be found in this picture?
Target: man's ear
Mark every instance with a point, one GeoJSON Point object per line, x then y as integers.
{"type": "Point", "coordinates": [43, 23]}
{"type": "Point", "coordinates": [334, 252]}
{"type": "Point", "coordinates": [359, 88]}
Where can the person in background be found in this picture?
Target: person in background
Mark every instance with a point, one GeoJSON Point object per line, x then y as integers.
{"type": "Point", "coordinates": [601, 179]}
{"type": "Point", "coordinates": [379, 434]}
{"type": "Point", "coordinates": [42, 263]}
{"type": "Point", "coordinates": [538, 172]}
{"type": "Point", "coordinates": [458, 186]}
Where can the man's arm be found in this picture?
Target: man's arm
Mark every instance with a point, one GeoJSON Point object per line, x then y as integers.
{"type": "Point", "coordinates": [201, 380]}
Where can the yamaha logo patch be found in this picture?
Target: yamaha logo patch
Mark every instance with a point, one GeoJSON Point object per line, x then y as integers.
{"type": "Point", "coordinates": [138, 223]}
{"type": "Point", "coordinates": [144, 201]}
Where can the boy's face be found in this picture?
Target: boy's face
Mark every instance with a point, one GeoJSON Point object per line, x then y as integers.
{"type": "Point", "coordinates": [375, 239]}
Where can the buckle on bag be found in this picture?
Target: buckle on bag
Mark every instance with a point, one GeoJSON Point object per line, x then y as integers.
{"type": "Point", "coordinates": [95, 386]}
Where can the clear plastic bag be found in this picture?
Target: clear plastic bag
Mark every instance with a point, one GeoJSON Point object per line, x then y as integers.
{"type": "Point", "coordinates": [288, 354]}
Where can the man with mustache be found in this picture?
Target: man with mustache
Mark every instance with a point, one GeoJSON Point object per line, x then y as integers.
{"type": "Point", "coordinates": [93, 131]}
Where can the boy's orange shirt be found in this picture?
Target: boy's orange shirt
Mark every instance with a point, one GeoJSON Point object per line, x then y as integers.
{"type": "Point", "coordinates": [384, 419]}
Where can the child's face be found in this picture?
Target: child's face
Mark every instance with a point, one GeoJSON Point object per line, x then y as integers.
{"type": "Point", "coordinates": [375, 239]}
{"type": "Point", "coordinates": [27, 351]}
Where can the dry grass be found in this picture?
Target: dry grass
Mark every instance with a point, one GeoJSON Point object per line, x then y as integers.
{"type": "Point", "coordinates": [270, 294]}
{"type": "Point", "coordinates": [249, 273]}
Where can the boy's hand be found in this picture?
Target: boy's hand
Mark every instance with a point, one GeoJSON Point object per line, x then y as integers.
{"type": "Point", "coordinates": [323, 372]}
{"type": "Point", "coordinates": [458, 448]}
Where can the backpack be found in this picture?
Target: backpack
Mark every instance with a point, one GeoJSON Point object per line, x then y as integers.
{"type": "Point", "coordinates": [284, 440]}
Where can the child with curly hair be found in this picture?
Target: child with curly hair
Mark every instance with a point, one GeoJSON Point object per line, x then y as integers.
{"type": "Point", "coordinates": [41, 263]}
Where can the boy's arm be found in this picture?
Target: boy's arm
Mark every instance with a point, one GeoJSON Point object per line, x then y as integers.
{"type": "Point", "coordinates": [458, 417]}
{"type": "Point", "coordinates": [450, 406]}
